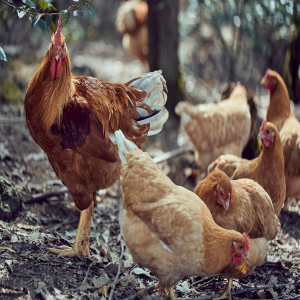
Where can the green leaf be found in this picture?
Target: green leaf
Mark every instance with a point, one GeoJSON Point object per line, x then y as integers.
{"type": "Point", "coordinates": [91, 11]}
{"type": "Point", "coordinates": [30, 3]}
{"type": "Point", "coordinates": [65, 16]}
{"type": "Point", "coordinates": [21, 13]}
{"type": "Point", "coordinates": [76, 0]}
{"type": "Point", "coordinates": [43, 4]}
{"type": "Point", "coordinates": [78, 13]}
{"type": "Point", "coordinates": [52, 26]}
{"type": "Point", "coordinates": [51, 7]}
{"type": "Point", "coordinates": [2, 54]}
{"type": "Point", "coordinates": [34, 20]}
{"type": "Point", "coordinates": [42, 25]}
{"type": "Point", "coordinates": [48, 20]}
{"type": "Point", "coordinates": [140, 271]}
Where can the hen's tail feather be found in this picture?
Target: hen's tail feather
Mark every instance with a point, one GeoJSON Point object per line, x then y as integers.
{"type": "Point", "coordinates": [123, 144]}
{"type": "Point", "coordinates": [154, 85]}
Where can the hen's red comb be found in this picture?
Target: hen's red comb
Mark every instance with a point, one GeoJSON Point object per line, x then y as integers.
{"type": "Point", "coordinates": [247, 241]}
{"type": "Point", "coordinates": [57, 38]}
{"type": "Point", "coordinates": [264, 122]}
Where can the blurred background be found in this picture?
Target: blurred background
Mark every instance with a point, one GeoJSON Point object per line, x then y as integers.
{"type": "Point", "coordinates": [200, 46]}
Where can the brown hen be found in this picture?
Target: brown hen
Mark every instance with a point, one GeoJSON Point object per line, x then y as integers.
{"type": "Point", "coordinates": [267, 169]}
{"type": "Point", "coordinates": [279, 112]}
{"type": "Point", "coordinates": [241, 205]}
{"type": "Point", "coordinates": [167, 228]}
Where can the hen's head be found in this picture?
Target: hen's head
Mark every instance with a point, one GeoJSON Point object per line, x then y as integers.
{"type": "Point", "coordinates": [223, 188]}
{"type": "Point", "coordinates": [267, 133]}
{"type": "Point", "coordinates": [240, 249]}
{"type": "Point", "coordinates": [58, 52]}
{"type": "Point", "coordinates": [270, 80]}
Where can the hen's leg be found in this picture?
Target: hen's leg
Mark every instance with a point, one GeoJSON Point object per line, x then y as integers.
{"type": "Point", "coordinates": [226, 294]}
{"type": "Point", "coordinates": [84, 227]}
{"type": "Point", "coordinates": [166, 292]}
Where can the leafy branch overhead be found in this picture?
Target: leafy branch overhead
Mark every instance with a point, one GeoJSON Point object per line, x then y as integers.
{"type": "Point", "coordinates": [41, 12]}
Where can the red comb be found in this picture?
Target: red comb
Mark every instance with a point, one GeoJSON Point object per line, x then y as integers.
{"type": "Point", "coordinates": [247, 241]}
{"type": "Point", "coordinates": [264, 122]}
{"type": "Point", "coordinates": [57, 38]}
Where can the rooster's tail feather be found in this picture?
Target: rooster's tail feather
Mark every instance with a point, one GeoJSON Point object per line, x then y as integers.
{"type": "Point", "coordinates": [154, 85]}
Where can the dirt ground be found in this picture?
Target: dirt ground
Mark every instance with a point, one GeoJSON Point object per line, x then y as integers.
{"type": "Point", "coordinates": [29, 271]}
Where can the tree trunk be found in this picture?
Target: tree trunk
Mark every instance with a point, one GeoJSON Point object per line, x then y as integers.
{"type": "Point", "coordinates": [163, 46]}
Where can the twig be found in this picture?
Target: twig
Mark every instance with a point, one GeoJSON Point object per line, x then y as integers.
{"type": "Point", "coordinates": [118, 273]}
{"type": "Point", "coordinates": [237, 292]}
{"type": "Point", "coordinates": [148, 290]}
{"type": "Point", "coordinates": [171, 154]}
{"type": "Point", "coordinates": [205, 280]}
{"type": "Point", "coordinates": [42, 196]}
{"type": "Point", "coordinates": [13, 120]}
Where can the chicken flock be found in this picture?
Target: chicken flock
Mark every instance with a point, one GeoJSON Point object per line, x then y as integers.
{"type": "Point", "coordinates": [92, 131]}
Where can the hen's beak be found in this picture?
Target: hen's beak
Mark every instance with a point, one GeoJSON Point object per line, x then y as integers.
{"type": "Point", "coordinates": [260, 136]}
{"type": "Point", "coordinates": [263, 81]}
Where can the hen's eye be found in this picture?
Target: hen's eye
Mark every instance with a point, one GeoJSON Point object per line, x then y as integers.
{"type": "Point", "coordinates": [241, 247]}
{"type": "Point", "coordinates": [63, 46]}
{"type": "Point", "coordinates": [222, 194]}
{"type": "Point", "coordinates": [268, 131]}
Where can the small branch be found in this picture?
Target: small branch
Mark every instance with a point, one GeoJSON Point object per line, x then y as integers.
{"type": "Point", "coordinates": [148, 290]}
{"type": "Point", "coordinates": [13, 120]}
{"type": "Point", "coordinates": [43, 196]}
{"type": "Point", "coordinates": [118, 273]}
{"type": "Point", "coordinates": [171, 154]}
{"type": "Point", "coordinates": [210, 297]}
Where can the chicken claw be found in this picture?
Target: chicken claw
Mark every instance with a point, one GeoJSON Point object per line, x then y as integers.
{"type": "Point", "coordinates": [226, 292]}
{"type": "Point", "coordinates": [83, 234]}
{"type": "Point", "coordinates": [166, 292]}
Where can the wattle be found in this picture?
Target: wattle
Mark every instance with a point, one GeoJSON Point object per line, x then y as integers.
{"type": "Point", "coordinates": [266, 143]}
{"type": "Point", "coordinates": [236, 259]}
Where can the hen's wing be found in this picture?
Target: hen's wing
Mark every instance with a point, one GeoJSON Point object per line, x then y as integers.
{"type": "Point", "coordinates": [266, 224]}
{"type": "Point", "coordinates": [290, 137]}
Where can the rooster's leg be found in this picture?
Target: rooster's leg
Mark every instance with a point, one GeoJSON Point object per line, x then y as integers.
{"type": "Point", "coordinates": [87, 229]}
{"type": "Point", "coordinates": [226, 294]}
{"type": "Point", "coordinates": [84, 227]}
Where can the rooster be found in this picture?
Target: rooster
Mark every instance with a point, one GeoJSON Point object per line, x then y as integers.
{"type": "Point", "coordinates": [279, 112]}
{"type": "Point", "coordinates": [132, 23]}
{"type": "Point", "coordinates": [71, 119]}
{"type": "Point", "coordinates": [167, 228]}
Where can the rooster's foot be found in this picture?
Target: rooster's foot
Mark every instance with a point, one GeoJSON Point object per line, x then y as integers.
{"type": "Point", "coordinates": [66, 251]}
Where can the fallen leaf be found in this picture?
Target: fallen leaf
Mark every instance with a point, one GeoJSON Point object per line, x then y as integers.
{"type": "Point", "coordinates": [14, 238]}
{"type": "Point", "coordinates": [183, 287]}
{"type": "Point", "coordinates": [102, 280]}
{"type": "Point", "coordinates": [6, 248]}
{"type": "Point", "coordinates": [140, 271]}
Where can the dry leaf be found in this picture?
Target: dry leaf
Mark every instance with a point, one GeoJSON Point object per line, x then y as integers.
{"type": "Point", "coordinates": [6, 248]}
{"type": "Point", "coordinates": [102, 280]}
{"type": "Point", "coordinates": [14, 238]}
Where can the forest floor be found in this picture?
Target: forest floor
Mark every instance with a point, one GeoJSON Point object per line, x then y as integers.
{"type": "Point", "coordinates": [29, 271]}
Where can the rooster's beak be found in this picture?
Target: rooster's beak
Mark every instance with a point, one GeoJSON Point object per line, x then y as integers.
{"type": "Point", "coordinates": [260, 136]}
{"type": "Point", "coordinates": [57, 55]}
{"type": "Point", "coordinates": [263, 81]}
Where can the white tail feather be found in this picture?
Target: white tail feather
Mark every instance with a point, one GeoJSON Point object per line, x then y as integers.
{"type": "Point", "coordinates": [123, 144]}
{"type": "Point", "coordinates": [154, 85]}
